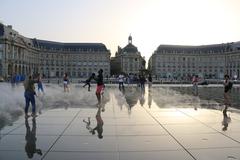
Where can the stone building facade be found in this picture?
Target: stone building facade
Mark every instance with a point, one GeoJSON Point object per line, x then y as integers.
{"type": "Point", "coordinates": [128, 60]}
{"type": "Point", "coordinates": [24, 56]}
{"type": "Point", "coordinates": [208, 61]}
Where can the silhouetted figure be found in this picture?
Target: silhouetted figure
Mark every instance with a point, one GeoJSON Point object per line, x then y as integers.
{"type": "Point", "coordinates": [149, 80]}
{"type": "Point", "coordinates": [66, 83]}
{"type": "Point", "coordinates": [100, 85]}
{"type": "Point", "coordinates": [195, 85]}
{"type": "Point", "coordinates": [31, 139]}
{"type": "Point", "coordinates": [227, 89]}
{"type": "Point", "coordinates": [142, 81]}
{"type": "Point", "coordinates": [88, 81]}
{"type": "Point", "coordinates": [121, 82]}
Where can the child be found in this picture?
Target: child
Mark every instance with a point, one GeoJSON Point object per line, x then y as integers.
{"type": "Point", "coordinates": [40, 85]}
{"type": "Point", "coordinates": [87, 82]}
{"type": "Point", "coordinates": [65, 83]}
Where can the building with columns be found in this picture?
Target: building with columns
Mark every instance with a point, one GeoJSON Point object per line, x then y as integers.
{"type": "Point", "coordinates": [127, 60]}
{"type": "Point", "coordinates": [207, 61]}
{"type": "Point", "coordinates": [24, 56]}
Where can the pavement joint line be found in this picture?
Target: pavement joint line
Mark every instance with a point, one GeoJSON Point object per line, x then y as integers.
{"type": "Point", "coordinates": [9, 133]}
{"type": "Point", "coordinates": [211, 127]}
{"type": "Point", "coordinates": [170, 134]}
{"type": "Point", "coordinates": [60, 135]}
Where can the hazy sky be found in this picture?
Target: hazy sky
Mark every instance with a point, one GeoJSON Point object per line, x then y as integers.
{"type": "Point", "coordinates": [150, 22]}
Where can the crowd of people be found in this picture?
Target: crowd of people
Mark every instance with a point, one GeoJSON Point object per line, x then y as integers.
{"type": "Point", "coordinates": [30, 93]}
{"type": "Point", "coordinates": [140, 80]}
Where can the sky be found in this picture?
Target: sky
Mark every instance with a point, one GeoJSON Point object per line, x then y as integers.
{"type": "Point", "coordinates": [150, 22]}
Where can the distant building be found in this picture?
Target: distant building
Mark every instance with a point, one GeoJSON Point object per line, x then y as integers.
{"type": "Point", "coordinates": [127, 60]}
{"type": "Point", "coordinates": [21, 55]}
{"type": "Point", "coordinates": [208, 61]}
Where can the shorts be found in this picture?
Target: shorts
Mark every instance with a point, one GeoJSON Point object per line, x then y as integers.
{"type": "Point", "coordinates": [99, 89]}
{"type": "Point", "coordinates": [65, 82]}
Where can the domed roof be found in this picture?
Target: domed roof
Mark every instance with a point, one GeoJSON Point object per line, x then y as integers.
{"type": "Point", "coordinates": [130, 48]}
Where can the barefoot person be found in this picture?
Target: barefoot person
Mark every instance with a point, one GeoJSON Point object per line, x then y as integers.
{"type": "Point", "coordinates": [29, 95]}
{"type": "Point", "coordinates": [227, 89]}
{"type": "Point", "coordinates": [65, 83]}
{"type": "Point", "coordinates": [195, 85]}
{"type": "Point", "coordinates": [100, 85]}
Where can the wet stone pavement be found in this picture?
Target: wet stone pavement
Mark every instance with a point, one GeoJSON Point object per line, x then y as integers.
{"type": "Point", "coordinates": [137, 125]}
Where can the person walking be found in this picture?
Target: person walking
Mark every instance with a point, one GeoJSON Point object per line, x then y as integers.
{"type": "Point", "coordinates": [195, 85]}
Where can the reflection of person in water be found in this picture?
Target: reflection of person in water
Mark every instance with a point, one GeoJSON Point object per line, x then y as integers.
{"type": "Point", "coordinates": [226, 121]}
{"type": "Point", "coordinates": [99, 126]}
{"type": "Point", "coordinates": [149, 97]}
{"type": "Point", "coordinates": [141, 97]}
{"type": "Point", "coordinates": [88, 123]}
{"type": "Point", "coordinates": [31, 139]}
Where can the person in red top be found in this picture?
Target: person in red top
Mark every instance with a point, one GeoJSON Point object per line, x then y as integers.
{"type": "Point", "coordinates": [195, 85]}
{"type": "Point", "coordinates": [100, 85]}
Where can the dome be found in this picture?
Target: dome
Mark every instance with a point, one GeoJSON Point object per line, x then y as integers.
{"type": "Point", "coordinates": [130, 48]}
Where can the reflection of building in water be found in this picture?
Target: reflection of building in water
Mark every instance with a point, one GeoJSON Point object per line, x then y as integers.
{"type": "Point", "coordinates": [31, 139]}
{"type": "Point", "coordinates": [21, 55]}
{"type": "Point", "coordinates": [209, 61]}
{"type": "Point", "coordinates": [131, 95]}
